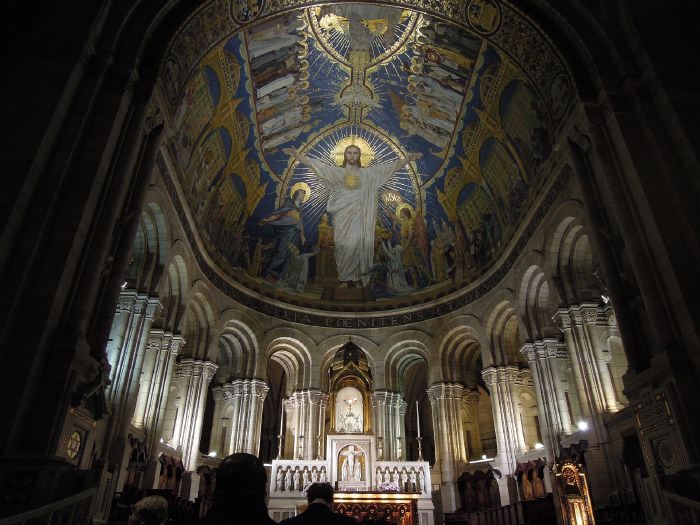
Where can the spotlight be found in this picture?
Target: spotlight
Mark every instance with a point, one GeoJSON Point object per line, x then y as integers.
{"type": "Point", "coordinates": [483, 456]}
{"type": "Point", "coordinates": [124, 285]}
{"type": "Point", "coordinates": [212, 454]}
{"type": "Point", "coordinates": [582, 425]}
{"type": "Point", "coordinates": [161, 440]}
{"type": "Point", "coordinates": [605, 298]}
{"type": "Point", "coordinates": [539, 446]}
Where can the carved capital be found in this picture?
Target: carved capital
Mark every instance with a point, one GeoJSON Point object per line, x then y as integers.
{"type": "Point", "coordinates": [154, 117]}
{"type": "Point", "coordinates": [152, 308]}
{"type": "Point", "coordinates": [562, 320]}
{"type": "Point", "coordinates": [580, 138]}
{"type": "Point", "coordinates": [126, 302]}
{"type": "Point", "coordinates": [176, 344]}
{"type": "Point", "coordinates": [208, 369]}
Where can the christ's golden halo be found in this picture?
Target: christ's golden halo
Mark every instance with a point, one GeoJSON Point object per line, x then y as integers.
{"type": "Point", "coordinates": [366, 151]}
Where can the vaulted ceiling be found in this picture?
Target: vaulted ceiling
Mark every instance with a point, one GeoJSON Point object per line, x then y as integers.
{"type": "Point", "coordinates": [479, 92]}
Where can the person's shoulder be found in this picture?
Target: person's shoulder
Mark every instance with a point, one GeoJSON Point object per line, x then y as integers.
{"type": "Point", "coordinates": [342, 519]}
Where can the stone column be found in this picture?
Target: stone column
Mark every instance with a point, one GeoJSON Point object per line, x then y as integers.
{"type": "Point", "coordinates": [378, 401]}
{"type": "Point", "coordinates": [247, 398]}
{"type": "Point", "coordinates": [389, 423]}
{"type": "Point", "coordinates": [499, 381]}
{"type": "Point", "coordinates": [401, 407]}
{"type": "Point", "coordinates": [445, 400]}
{"type": "Point", "coordinates": [290, 409]}
{"type": "Point", "coordinates": [314, 426]}
{"type": "Point", "coordinates": [147, 375]}
{"type": "Point", "coordinates": [258, 391]}
{"type": "Point", "coordinates": [125, 351]}
{"type": "Point", "coordinates": [216, 444]}
{"type": "Point", "coordinates": [581, 326]}
{"type": "Point", "coordinates": [470, 401]}
{"type": "Point", "coordinates": [546, 358]}
{"type": "Point", "coordinates": [158, 401]}
{"type": "Point", "coordinates": [196, 375]}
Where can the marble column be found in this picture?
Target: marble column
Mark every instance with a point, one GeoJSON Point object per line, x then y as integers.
{"type": "Point", "coordinates": [216, 442]}
{"type": "Point", "coordinates": [290, 414]}
{"type": "Point", "coordinates": [196, 375]}
{"type": "Point", "coordinates": [445, 401]}
{"type": "Point", "coordinates": [246, 397]}
{"type": "Point", "coordinates": [509, 437]}
{"type": "Point", "coordinates": [126, 353]}
{"type": "Point", "coordinates": [157, 398]}
{"type": "Point", "coordinates": [547, 359]}
{"type": "Point", "coordinates": [389, 423]}
{"type": "Point", "coordinates": [582, 326]}
{"type": "Point", "coordinates": [472, 440]}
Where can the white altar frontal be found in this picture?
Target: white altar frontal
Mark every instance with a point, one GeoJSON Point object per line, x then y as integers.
{"type": "Point", "coordinates": [347, 451]}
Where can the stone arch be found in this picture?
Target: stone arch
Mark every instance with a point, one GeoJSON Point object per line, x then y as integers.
{"type": "Point", "coordinates": [398, 353]}
{"type": "Point", "coordinates": [536, 299]}
{"type": "Point", "coordinates": [569, 258]}
{"type": "Point", "coordinates": [197, 328]}
{"type": "Point", "coordinates": [292, 350]}
{"type": "Point", "coordinates": [236, 350]}
{"type": "Point", "coordinates": [174, 292]}
{"type": "Point", "coordinates": [459, 351]}
{"type": "Point", "coordinates": [503, 331]}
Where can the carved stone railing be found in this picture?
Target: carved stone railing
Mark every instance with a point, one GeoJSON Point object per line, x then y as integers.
{"type": "Point", "coordinates": [288, 477]}
{"type": "Point", "coordinates": [409, 476]}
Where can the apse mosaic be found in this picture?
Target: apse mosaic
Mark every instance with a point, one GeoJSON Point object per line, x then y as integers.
{"type": "Point", "coordinates": [359, 154]}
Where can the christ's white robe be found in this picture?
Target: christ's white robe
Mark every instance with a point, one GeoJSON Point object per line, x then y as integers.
{"type": "Point", "coordinates": [354, 211]}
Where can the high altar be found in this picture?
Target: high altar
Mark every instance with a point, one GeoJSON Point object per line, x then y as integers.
{"type": "Point", "coordinates": [355, 445]}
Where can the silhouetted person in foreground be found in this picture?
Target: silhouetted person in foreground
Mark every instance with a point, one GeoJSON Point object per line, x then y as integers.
{"type": "Point", "coordinates": [152, 510]}
{"type": "Point", "coordinates": [320, 496]}
{"type": "Point", "coordinates": [239, 493]}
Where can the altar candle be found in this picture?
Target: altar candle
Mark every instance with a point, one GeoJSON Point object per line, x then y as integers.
{"type": "Point", "coordinates": [417, 418]}
{"type": "Point", "coordinates": [282, 419]}
{"type": "Point", "coordinates": [320, 419]}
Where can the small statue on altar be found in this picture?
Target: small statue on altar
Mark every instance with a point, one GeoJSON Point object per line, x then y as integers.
{"type": "Point", "coordinates": [297, 479]}
{"type": "Point", "coordinates": [412, 478]}
{"type": "Point", "coordinates": [387, 476]}
{"type": "Point", "coordinates": [404, 478]}
{"type": "Point", "coordinates": [323, 475]}
{"type": "Point", "coordinates": [421, 479]}
{"type": "Point", "coordinates": [395, 477]}
{"type": "Point", "coordinates": [279, 480]}
{"type": "Point", "coordinates": [306, 477]}
{"type": "Point", "coordinates": [314, 475]}
{"type": "Point", "coordinates": [288, 480]}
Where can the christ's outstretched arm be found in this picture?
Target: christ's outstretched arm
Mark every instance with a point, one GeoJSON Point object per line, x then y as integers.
{"type": "Point", "coordinates": [306, 161]}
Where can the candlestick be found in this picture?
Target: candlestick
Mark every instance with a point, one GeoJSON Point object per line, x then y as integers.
{"type": "Point", "coordinates": [280, 439]}
{"type": "Point", "coordinates": [417, 419]}
{"type": "Point", "coordinates": [420, 448]}
{"type": "Point", "coordinates": [282, 418]}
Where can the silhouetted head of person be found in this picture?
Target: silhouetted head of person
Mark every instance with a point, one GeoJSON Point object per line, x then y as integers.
{"type": "Point", "coordinates": [152, 510]}
{"type": "Point", "coordinates": [320, 491]}
{"type": "Point", "coordinates": [240, 473]}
